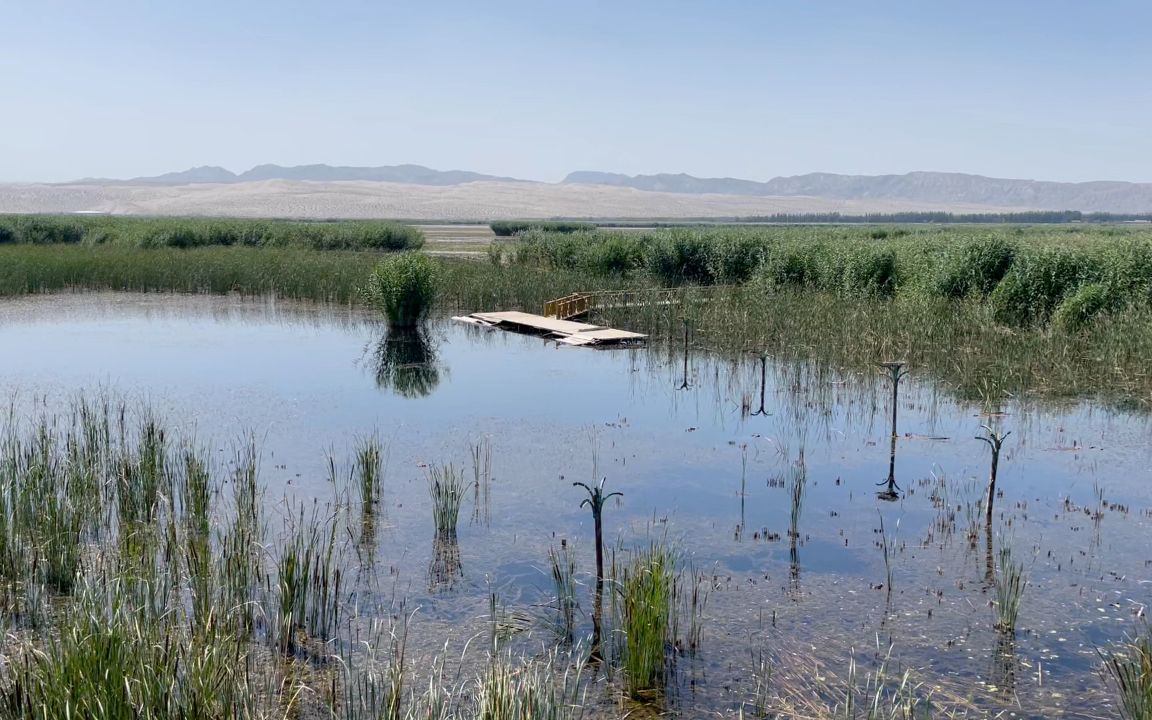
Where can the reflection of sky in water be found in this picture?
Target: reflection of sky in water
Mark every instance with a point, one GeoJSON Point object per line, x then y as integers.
{"type": "Point", "coordinates": [301, 377]}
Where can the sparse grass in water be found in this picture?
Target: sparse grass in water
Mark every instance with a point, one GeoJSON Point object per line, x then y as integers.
{"type": "Point", "coordinates": [1010, 585]}
{"type": "Point", "coordinates": [1129, 669]}
{"type": "Point", "coordinates": [563, 562]}
{"type": "Point", "coordinates": [446, 486]}
{"type": "Point", "coordinates": [371, 465]}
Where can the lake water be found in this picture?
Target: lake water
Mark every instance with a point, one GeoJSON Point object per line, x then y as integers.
{"type": "Point", "coordinates": [680, 446]}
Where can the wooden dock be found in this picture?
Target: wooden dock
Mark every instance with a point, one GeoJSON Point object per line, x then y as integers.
{"type": "Point", "coordinates": [564, 331]}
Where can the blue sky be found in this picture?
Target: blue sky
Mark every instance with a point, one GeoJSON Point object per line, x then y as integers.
{"type": "Point", "coordinates": [119, 88]}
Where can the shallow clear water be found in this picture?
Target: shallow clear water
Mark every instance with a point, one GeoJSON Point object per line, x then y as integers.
{"type": "Point", "coordinates": [305, 380]}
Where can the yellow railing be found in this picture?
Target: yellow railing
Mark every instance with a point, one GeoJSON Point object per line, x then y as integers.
{"type": "Point", "coordinates": [579, 304]}
{"type": "Point", "coordinates": [568, 307]}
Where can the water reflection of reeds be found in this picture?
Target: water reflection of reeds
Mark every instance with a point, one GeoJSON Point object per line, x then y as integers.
{"type": "Point", "coordinates": [406, 361]}
{"type": "Point", "coordinates": [446, 568]}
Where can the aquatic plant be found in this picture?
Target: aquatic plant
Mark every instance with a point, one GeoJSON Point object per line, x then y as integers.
{"type": "Point", "coordinates": [526, 690]}
{"type": "Point", "coordinates": [308, 584]}
{"type": "Point", "coordinates": [563, 563]}
{"type": "Point", "coordinates": [446, 487]}
{"type": "Point", "coordinates": [481, 452]}
{"type": "Point", "coordinates": [1129, 670]}
{"type": "Point", "coordinates": [371, 464]}
{"type": "Point", "coordinates": [403, 287]}
{"type": "Point", "coordinates": [156, 232]}
{"type": "Point", "coordinates": [888, 546]}
{"type": "Point", "coordinates": [507, 228]}
{"type": "Point", "coordinates": [644, 605]}
{"type": "Point", "coordinates": [1010, 584]}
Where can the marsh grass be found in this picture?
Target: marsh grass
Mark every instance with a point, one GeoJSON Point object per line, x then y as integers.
{"type": "Point", "coordinates": [1129, 670]}
{"type": "Point", "coordinates": [528, 690]}
{"type": "Point", "coordinates": [298, 274]}
{"type": "Point", "coordinates": [141, 232]}
{"type": "Point", "coordinates": [1009, 591]}
{"type": "Point", "coordinates": [446, 487]}
{"type": "Point", "coordinates": [371, 466]}
{"type": "Point", "coordinates": [403, 287]}
{"type": "Point", "coordinates": [644, 604]}
{"type": "Point", "coordinates": [563, 566]}
{"type": "Point", "coordinates": [309, 585]}
{"type": "Point", "coordinates": [888, 546]}
{"type": "Point", "coordinates": [481, 453]}
{"type": "Point", "coordinates": [187, 609]}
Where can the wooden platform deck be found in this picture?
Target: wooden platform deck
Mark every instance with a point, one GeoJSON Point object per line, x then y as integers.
{"type": "Point", "coordinates": [565, 331]}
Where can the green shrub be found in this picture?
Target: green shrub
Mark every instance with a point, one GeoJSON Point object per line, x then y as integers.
{"type": "Point", "coordinates": [403, 287]}
{"type": "Point", "coordinates": [507, 228]}
{"type": "Point", "coordinates": [368, 236]}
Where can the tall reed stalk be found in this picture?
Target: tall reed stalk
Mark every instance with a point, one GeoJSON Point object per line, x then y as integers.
{"type": "Point", "coordinates": [1129, 670]}
{"type": "Point", "coordinates": [1010, 585]}
{"type": "Point", "coordinates": [446, 486]}
{"type": "Point", "coordinates": [644, 604]}
{"type": "Point", "coordinates": [563, 562]}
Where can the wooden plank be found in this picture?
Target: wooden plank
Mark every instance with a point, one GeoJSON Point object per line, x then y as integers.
{"type": "Point", "coordinates": [609, 334]}
{"type": "Point", "coordinates": [539, 322]}
{"type": "Point", "coordinates": [568, 332]}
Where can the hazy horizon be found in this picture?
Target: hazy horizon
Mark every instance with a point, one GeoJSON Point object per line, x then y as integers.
{"type": "Point", "coordinates": [1006, 90]}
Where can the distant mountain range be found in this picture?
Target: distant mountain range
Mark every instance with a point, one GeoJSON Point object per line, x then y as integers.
{"type": "Point", "coordinates": [407, 174]}
{"type": "Point", "coordinates": [917, 187]}
{"type": "Point", "coordinates": [926, 187]}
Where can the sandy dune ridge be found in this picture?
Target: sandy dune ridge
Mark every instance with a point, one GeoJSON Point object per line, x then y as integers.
{"type": "Point", "coordinates": [471, 201]}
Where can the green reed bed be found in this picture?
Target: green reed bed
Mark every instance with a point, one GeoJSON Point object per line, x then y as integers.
{"type": "Point", "coordinates": [188, 232]}
{"type": "Point", "coordinates": [298, 274]}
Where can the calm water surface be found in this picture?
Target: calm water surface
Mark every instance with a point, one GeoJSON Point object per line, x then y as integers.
{"type": "Point", "coordinates": [307, 380]}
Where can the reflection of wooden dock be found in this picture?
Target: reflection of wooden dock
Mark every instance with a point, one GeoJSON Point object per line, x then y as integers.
{"type": "Point", "coordinates": [565, 331]}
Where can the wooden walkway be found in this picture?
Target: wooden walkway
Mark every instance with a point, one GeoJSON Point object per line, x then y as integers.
{"type": "Point", "coordinates": [565, 331]}
{"type": "Point", "coordinates": [578, 304]}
